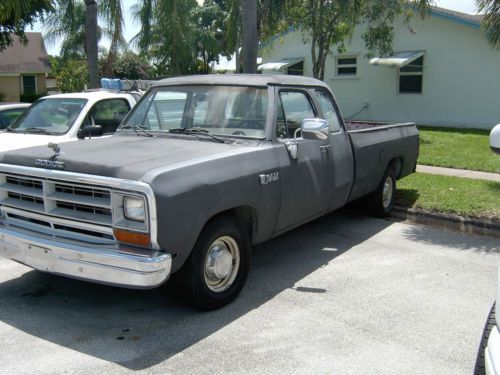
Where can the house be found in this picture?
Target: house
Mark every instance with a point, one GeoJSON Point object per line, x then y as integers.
{"type": "Point", "coordinates": [443, 72]}
{"type": "Point", "coordinates": [23, 68]}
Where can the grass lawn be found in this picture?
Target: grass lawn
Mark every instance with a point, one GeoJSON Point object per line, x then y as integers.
{"type": "Point", "coordinates": [462, 196]}
{"type": "Point", "coordinates": [457, 148]}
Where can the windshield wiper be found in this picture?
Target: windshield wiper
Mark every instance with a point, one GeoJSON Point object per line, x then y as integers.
{"type": "Point", "coordinates": [196, 132]}
{"type": "Point", "coordinates": [34, 130]}
{"type": "Point", "coordinates": [138, 130]}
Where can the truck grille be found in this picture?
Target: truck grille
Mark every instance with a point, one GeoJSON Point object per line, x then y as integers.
{"type": "Point", "coordinates": [68, 209]}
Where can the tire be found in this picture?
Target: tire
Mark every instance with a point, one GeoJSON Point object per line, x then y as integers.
{"type": "Point", "coordinates": [218, 266]}
{"type": "Point", "coordinates": [490, 323]}
{"type": "Point", "coordinates": [381, 201]}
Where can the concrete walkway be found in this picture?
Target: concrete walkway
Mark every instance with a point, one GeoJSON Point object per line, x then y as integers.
{"type": "Point", "coordinates": [476, 175]}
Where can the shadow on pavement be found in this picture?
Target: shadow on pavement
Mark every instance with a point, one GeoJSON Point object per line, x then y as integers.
{"type": "Point", "coordinates": [139, 329]}
{"type": "Point", "coordinates": [452, 239]}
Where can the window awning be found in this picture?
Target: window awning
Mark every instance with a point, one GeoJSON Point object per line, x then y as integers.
{"type": "Point", "coordinates": [398, 60]}
{"type": "Point", "coordinates": [279, 65]}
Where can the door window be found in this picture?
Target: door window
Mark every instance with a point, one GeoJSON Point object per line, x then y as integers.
{"type": "Point", "coordinates": [109, 114]}
{"type": "Point", "coordinates": [328, 108]}
{"type": "Point", "coordinates": [293, 108]}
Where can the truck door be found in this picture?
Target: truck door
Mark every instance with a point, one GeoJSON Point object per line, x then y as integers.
{"type": "Point", "coordinates": [304, 180]}
{"type": "Point", "coordinates": [340, 158]}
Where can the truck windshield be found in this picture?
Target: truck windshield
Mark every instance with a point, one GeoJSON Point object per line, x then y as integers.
{"type": "Point", "coordinates": [49, 116]}
{"type": "Point", "coordinates": [218, 110]}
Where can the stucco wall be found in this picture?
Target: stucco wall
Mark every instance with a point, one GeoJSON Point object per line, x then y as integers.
{"type": "Point", "coordinates": [461, 82]}
{"type": "Point", "coordinates": [10, 86]}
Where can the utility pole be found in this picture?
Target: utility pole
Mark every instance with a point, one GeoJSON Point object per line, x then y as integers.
{"type": "Point", "coordinates": [250, 42]}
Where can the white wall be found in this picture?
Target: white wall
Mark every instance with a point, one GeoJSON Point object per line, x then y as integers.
{"type": "Point", "coordinates": [461, 82]}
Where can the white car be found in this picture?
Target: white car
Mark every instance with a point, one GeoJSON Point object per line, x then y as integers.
{"type": "Point", "coordinates": [68, 117]}
{"type": "Point", "coordinates": [495, 139]}
{"type": "Point", "coordinates": [9, 112]}
{"type": "Point", "coordinates": [488, 358]}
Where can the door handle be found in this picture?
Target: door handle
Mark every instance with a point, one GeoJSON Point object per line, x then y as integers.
{"type": "Point", "coordinates": [325, 148]}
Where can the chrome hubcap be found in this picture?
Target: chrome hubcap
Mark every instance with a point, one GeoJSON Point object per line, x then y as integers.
{"type": "Point", "coordinates": [222, 264]}
{"type": "Point", "coordinates": [387, 192]}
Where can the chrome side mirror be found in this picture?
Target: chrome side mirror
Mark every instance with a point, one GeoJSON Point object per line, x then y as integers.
{"type": "Point", "coordinates": [315, 128]}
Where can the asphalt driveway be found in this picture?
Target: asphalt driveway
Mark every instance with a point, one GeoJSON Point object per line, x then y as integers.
{"type": "Point", "coordinates": [344, 295]}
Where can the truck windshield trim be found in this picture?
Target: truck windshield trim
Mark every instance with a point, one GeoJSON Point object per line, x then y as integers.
{"type": "Point", "coordinates": [219, 110]}
{"type": "Point", "coordinates": [49, 116]}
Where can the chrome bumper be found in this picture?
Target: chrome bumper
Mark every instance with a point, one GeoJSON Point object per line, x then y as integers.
{"type": "Point", "coordinates": [91, 264]}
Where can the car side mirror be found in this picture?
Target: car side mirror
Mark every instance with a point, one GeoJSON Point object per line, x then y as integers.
{"type": "Point", "coordinates": [315, 128]}
{"type": "Point", "coordinates": [89, 131]}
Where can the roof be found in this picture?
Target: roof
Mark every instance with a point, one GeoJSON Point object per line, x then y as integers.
{"type": "Point", "coordinates": [473, 20]}
{"type": "Point", "coordinates": [241, 80]}
{"type": "Point", "coordinates": [29, 58]}
{"type": "Point", "coordinates": [91, 95]}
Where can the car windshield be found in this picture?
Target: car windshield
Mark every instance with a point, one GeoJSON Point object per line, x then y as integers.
{"type": "Point", "coordinates": [218, 110]}
{"type": "Point", "coordinates": [49, 116]}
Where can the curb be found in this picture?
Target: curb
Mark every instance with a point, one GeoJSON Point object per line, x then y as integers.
{"type": "Point", "coordinates": [453, 222]}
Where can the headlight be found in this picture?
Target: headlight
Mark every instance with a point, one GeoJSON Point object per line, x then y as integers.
{"type": "Point", "coordinates": [134, 208]}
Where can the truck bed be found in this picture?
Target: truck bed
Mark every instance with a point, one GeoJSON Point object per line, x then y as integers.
{"type": "Point", "coordinates": [376, 145]}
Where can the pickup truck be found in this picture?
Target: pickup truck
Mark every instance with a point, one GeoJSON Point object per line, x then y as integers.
{"type": "Point", "coordinates": [68, 117]}
{"type": "Point", "coordinates": [200, 170]}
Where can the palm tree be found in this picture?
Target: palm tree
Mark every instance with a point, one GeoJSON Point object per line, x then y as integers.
{"type": "Point", "coordinates": [112, 14]}
{"type": "Point", "coordinates": [491, 20]}
{"type": "Point", "coordinates": [91, 39]}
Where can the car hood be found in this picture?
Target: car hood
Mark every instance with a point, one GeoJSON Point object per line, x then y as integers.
{"type": "Point", "coordinates": [13, 141]}
{"type": "Point", "coordinates": [130, 156]}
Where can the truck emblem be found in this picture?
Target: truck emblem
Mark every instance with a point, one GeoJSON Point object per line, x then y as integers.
{"type": "Point", "coordinates": [267, 178]}
{"type": "Point", "coordinates": [52, 162]}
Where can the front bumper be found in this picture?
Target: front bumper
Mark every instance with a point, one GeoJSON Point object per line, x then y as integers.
{"type": "Point", "coordinates": [492, 353]}
{"type": "Point", "coordinates": [129, 269]}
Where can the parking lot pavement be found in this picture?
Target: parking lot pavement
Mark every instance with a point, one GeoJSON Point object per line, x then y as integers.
{"type": "Point", "coordinates": [343, 295]}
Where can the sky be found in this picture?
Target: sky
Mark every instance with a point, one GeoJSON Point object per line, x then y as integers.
{"type": "Point", "coordinates": [131, 27]}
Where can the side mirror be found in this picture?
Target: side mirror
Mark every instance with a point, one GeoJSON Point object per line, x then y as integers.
{"type": "Point", "coordinates": [495, 139]}
{"type": "Point", "coordinates": [315, 128]}
{"type": "Point", "coordinates": [89, 131]}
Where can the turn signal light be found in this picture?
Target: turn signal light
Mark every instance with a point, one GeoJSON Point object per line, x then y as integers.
{"type": "Point", "coordinates": [132, 238]}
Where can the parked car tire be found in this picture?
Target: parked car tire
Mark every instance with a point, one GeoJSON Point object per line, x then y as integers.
{"type": "Point", "coordinates": [480, 368]}
{"type": "Point", "coordinates": [381, 201]}
{"type": "Point", "coordinates": [218, 266]}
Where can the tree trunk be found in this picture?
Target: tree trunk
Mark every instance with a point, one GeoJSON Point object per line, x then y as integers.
{"type": "Point", "coordinates": [91, 41]}
{"type": "Point", "coordinates": [250, 42]}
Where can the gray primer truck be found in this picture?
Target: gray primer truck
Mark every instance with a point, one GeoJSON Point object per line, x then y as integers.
{"type": "Point", "coordinates": [200, 170]}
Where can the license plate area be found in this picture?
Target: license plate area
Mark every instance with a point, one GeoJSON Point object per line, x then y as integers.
{"type": "Point", "coordinates": [38, 257]}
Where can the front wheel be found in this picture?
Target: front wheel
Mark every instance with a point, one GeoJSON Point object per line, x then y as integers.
{"type": "Point", "coordinates": [382, 199]}
{"type": "Point", "coordinates": [218, 266]}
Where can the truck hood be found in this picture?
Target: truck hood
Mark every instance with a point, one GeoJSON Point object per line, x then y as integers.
{"type": "Point", "coordinates": [13, 141]}
{"type": "Point", "coordinates": [129, 156]}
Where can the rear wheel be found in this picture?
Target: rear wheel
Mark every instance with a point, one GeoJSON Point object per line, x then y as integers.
{"type": "Point", "coordinates": [382, 199]}
{"type": "Point", "coordinates": [218, 266]}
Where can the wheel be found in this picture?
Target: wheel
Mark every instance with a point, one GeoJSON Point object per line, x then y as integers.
{"type": "Point", "coordinates": [217, 268]}
{"type": "Point", "coordinates": [480, 368]}
{"type": "Point", "coordinates": [382, 199]}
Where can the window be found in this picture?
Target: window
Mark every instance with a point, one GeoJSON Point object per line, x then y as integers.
{"type": "Point", "coordinates": [296, 69]}
{"type": "Point", "coordinates": [411, 77]}
{"type": "Point", "coordinates": [29, 85]}
{"type": "Point", "coordinates": [7, 117]}
{"type": "Point", "coordinates": [328, 108]}
{"type": "Point", "coordinates": [293, 108]}
{"type": "Point", "coordinates": [219, 110]}
{"type": "Point", "coordinates": [347, 66]}
{"type": "Point", "coordinates": [109, 114]}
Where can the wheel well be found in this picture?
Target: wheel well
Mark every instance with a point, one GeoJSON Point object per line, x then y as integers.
{"type": "Point", "coordinates": [396, 165]}
{"type": "Point", "coordinates": [245, 214]}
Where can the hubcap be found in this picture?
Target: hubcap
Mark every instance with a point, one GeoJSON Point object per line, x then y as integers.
{"type": "Point", "coordinates": [222, 264]}
{"type": "Point", "coordinates": [387, 192]}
